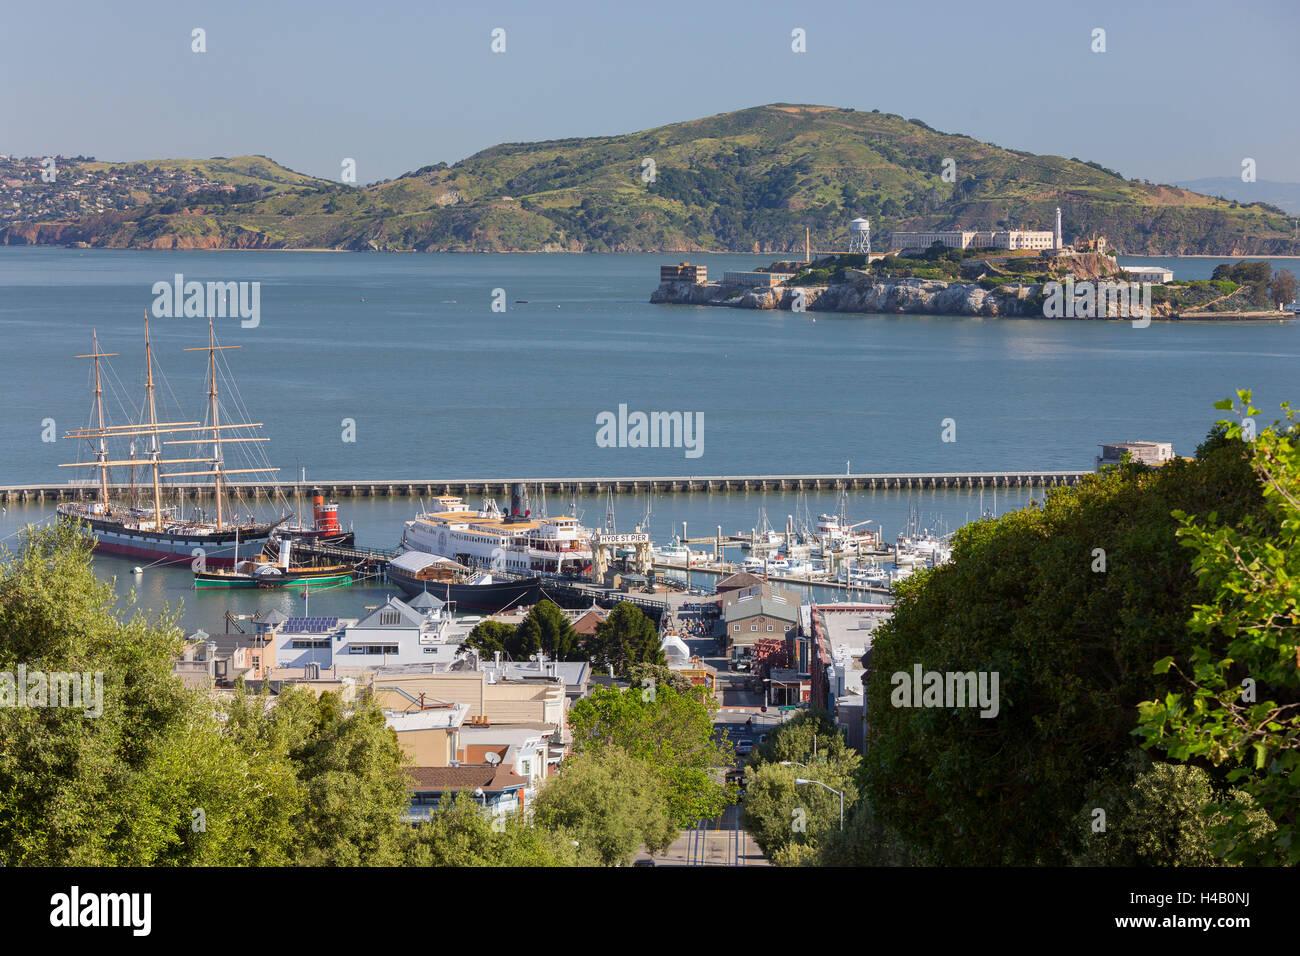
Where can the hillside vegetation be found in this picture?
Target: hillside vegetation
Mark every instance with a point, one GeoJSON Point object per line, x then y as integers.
{"type": "Point", "coordinates": [747, 181]}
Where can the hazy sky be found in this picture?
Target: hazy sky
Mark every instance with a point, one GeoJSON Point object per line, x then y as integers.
{"type": "Point", "coordinates": [1184, 89]}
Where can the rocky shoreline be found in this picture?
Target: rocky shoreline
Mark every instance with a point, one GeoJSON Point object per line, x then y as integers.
{"type": "Point", "coordinates": [904, 297]}
{"type": "Point", "coordinates": [887, 296]}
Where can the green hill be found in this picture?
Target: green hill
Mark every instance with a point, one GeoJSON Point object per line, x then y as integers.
{"type": "Point", "coordinates": [745, 181]}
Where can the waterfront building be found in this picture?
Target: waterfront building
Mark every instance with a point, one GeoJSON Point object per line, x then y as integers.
{"type": "Point", "coordinates": [755, 280]}
{"type": "Point", "coordinates": [1146, 452]}
{"type": "Point", "coordinates": [684, 272]}
{"type": "Point", "coordinates": [841, 635]}
{"type": "Point", "coordinates": [1014, 239]}
{"type": "Point", "coordinates": [395, 633]}
{"type": "Point", "coordinates": [753, 617]}
{"type": "Point", "coordinates": [1156, 275]}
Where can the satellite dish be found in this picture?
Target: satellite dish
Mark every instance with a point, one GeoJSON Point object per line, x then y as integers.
{"type": "Point", "coordinates": [492, 758]}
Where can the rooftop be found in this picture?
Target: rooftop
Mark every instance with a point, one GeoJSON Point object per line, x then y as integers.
{"type": "Point", "coordinates": [465, 777]}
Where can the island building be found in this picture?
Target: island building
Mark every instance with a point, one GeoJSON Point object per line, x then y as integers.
{"type": "Point", "coordinates": [1146, 452]}
{"type": "Point", "coordinates": [1014, 239]}
{"type": "Point", "coordinates": [684, 272]}
{"type": "Point", "coordinates": [1156, 275]}
{"type": "Point", "coordinates": [751, 280]}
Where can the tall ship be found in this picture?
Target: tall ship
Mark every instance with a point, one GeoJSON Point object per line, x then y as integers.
{"type": "Point", "coordinates": [513, 542]}
{"type": "Point", "coordinates": [148, 530]}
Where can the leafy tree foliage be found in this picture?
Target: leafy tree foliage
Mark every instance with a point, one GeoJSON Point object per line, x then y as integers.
{"type": "Point", "coordinates": [460, 834]}
{"type": "Point", "coordinates": [493, 637]}
{"type": "Point", "coordinates": [1282, 287]}
{"type": "Point", "coordinates": [547, 629]}
{"type": "Point", "coordinates": [1254, 274]}
{"type": "Point", "coordinates": [165, 775]}
{"type": "Point", "coordinates": [625, 638]}
{"type": "Point", "coordinates": [672, 733]}
{"type": "Point", "coordinates": [120, 787]}
{"type": "Point", "coordinates": [1158, 814]}
{"type": "Point", "coordinates": [1236, 703]}
{"type": "Point", "coordinates": [778, 812]}
{"type": "Point", "coordinates": [610, 803]}
{"type": "Point", "coordinates": [1026, 597]}
{"type": "Point", "coordinates": [805, 736]}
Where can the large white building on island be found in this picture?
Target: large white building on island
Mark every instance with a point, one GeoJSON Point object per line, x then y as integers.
{"type": "Point", "coordinates": [1013, 239]}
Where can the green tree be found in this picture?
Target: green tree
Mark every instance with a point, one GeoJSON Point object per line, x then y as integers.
{"type": "Point", "coordinates": [865, 841]}
{"type": "Point", "coordinates": [118, 783]}
{"type": "Point", "coordinates": [658, 675]}
{"type": "Point", "coordinates": [625, 638]}
{"type": "Point", "coordinates": [1157, 814]}
{"type": "Point", "coordinates": [1069, 602]}
{"type": "Point", "coordinates": [461, 834]}
{"type": "Point", "coordinates": [547, 629]}
{"type": "Point", "coordinates": [1282, 288]}
{"type": "Point", "coordinates": [349, 765]}
{"type": "Point", "coordinates": [778, 811]}
{"type": "Point", "coordinates": [808, 734]}
{"type": "Point", "coordinates": [672, 733]}
{"type": "Point", "coordinates": [1236, 703]}
{"type": "Point", "coordinates": [493, 637]}
{"type": "Point", "coordinates": [610, 803]}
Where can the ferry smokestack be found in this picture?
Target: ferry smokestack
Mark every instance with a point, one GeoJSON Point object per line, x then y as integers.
{"type": "Point", "coordinates": [519, 508]}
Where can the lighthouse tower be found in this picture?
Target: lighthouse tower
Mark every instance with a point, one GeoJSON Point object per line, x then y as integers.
{"type": "Point", "coordinates": [1056, 237]}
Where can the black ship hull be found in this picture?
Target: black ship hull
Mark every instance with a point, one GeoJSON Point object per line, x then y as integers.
{"type": "Point", "coordinates": [489, 598]}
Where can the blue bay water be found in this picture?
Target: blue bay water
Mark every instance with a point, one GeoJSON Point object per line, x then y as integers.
{"type": "Point", "coordinates": [440, 386]}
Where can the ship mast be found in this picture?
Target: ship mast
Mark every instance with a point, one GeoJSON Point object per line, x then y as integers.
{"type": "Point", "coordinates": [214, 410]}
{"type": "Point", "coordinates": [155, 446]}
{"type": "Point", "coordinates": [216, 425]}
{"type": "Point", "coordinates": [101, 456]}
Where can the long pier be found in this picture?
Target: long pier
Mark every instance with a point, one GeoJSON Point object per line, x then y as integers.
{"type": "Point", "coordinates": [566, 487]}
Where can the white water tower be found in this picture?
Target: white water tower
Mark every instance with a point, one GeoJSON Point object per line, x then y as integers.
{"type": "Point", "coordinates": [860, 236]}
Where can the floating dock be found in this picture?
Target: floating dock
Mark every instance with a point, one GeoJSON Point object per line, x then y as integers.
{"type": "Point", "coordinates": [567, 487]}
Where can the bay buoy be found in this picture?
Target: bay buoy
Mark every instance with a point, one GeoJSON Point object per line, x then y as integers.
{"type": "Point", "coordinates": [137, 570]}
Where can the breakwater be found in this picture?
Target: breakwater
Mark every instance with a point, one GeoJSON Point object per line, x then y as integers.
{"type": "Point", "coordinates": [564, 487]}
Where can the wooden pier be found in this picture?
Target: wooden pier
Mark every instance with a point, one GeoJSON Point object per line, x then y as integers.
{"type": "Point", "coordinates": [569, 487]}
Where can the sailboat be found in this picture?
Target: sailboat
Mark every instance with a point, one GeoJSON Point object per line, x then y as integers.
{"type": "Point", "coordinates": [158, 534]}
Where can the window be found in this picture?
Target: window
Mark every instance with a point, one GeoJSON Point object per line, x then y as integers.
{"type": "Point", "coordinates": [389, 618]}
{"type": "Point", "coordinates": [787, 627]}
{"type": "Point", "coordinates": [753, 627]}
{"type": "Point", "coordinates": [769, 627]}
{"type": "Point", "coordinates": [735, 627]}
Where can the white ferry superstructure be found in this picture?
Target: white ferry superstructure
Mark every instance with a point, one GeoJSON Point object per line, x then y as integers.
{"type": "Point", "coordinates": [512, 542]}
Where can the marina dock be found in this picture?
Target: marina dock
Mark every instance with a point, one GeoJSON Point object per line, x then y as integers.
{"type": "Point", "coordinates": [566, 487]}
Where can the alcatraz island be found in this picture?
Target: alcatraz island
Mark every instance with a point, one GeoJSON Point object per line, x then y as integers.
{"type": "Point", "coordinates": [1008, 273]}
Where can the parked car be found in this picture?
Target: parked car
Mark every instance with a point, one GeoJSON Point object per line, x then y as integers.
{"type": "Point", "coordinates": [745, 745]}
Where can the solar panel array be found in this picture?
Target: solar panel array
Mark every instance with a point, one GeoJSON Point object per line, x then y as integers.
{"type": "Point", "coordinates": [310, 625]}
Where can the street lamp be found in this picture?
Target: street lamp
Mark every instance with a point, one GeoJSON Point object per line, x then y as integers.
{"type": "Point", "coordinates": [801, 780]}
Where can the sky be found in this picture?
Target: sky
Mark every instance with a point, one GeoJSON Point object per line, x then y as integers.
{"type": "Point", "coordinates": [1183, 90]}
